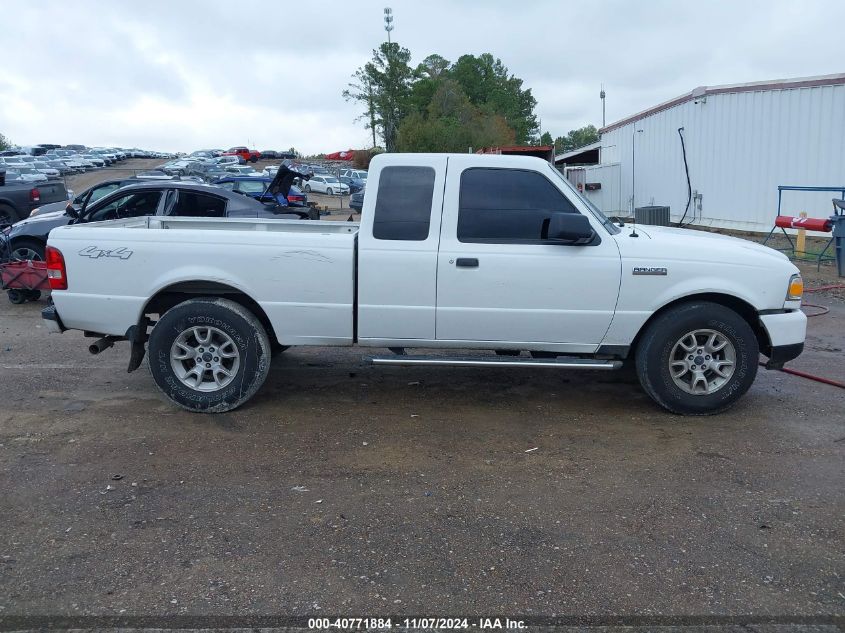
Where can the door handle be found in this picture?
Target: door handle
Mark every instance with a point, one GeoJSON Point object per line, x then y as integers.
{"type": "Point", "coordinates": [466, 262]}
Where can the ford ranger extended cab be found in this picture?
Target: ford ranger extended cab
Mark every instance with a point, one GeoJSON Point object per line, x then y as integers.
{"type": "Point", "coordinates": [496, 256]}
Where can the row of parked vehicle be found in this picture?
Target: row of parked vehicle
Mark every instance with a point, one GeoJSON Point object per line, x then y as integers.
{"type": "Point", "coordinates": [204, 166]}
{"type": "Point", "coordinates": [235, 196]}
{"type": "Point", "coordinates": [46, 164]}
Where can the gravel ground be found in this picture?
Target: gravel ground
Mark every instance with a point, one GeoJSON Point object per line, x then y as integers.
{"type": "Point", "coordinates": [348, 489]}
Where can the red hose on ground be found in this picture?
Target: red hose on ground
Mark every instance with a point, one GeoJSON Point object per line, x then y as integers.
{"type": "Point", "coordinates": [831, 287]}
{"type": "Point", "coordinates": [804, 374]}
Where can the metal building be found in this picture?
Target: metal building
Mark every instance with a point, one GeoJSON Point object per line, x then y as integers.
{"type": "Point", "coordinates": [741, 141]}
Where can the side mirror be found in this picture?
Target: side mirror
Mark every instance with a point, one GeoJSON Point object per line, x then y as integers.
{"type": "Point", "coordinates": [567, 227]}
{"type": "Point", "coordinates": [72, 211]}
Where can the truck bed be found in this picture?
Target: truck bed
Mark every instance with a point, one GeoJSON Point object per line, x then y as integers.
{"type": "Point", "coordinates": [301, 273]}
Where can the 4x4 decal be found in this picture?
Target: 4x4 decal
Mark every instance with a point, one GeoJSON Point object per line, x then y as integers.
{"type": "Point", "coordinates": [95, 253]}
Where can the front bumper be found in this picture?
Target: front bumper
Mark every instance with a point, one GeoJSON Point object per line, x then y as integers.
{"type": "Point", "coordinates": [786, 331]}
{"type": "Point", "coordinates": [52, 321]}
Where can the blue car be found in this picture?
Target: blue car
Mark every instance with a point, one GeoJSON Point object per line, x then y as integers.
{"type": "Point", "coordinates": [256, 186]}
{"type": "Point", "coordinates": [355, 184]}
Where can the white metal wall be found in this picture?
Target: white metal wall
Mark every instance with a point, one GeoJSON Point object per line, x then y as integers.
{"type": "Point", "coordinates": [740, 147]}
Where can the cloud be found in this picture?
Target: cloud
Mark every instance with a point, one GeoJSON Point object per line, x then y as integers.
{"type": "Point", "coordinates": [212, 73]}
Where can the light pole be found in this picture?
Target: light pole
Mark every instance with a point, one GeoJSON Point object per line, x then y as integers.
{"type": "Point", "coordinates": [388, 22]}
{"type": "Point", "coordinates": [634, 168]}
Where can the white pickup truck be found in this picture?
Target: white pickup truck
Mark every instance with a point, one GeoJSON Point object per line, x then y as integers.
{"type": "Point", "coordinates": [496, 256]}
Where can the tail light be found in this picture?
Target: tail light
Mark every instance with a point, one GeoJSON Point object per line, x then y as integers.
{"type": "Point", "coordinates": [56, 271]}
{"type": "Point", "coordinates": [35, 195]}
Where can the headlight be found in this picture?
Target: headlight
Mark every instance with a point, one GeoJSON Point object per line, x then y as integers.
{"type": "Point", "coordinates": [796, 288]}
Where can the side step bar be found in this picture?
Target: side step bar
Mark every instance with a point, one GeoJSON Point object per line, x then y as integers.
{"type": "Point", "coordinates": [475, 361]}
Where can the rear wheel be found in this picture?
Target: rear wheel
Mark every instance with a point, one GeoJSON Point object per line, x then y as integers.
{"type": "Point", "coordinates": [307, 188]}
{"type": "Point", "coordinates": [28, 249]}
{"type": "Point", "coordinates": [698, 358]}
{"type": "Point", "coordinates": [209, 354]}
{"type": "Point", "coordinates": [7, 215]}
{"type": "Point", "coordinates": [329, 191]}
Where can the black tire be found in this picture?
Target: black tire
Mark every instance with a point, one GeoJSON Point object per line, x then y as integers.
{"type": "Point", "coordinates": [329, 191]}
{"type": "Point", "coordinates": [235, 322]}
{"type": "Point", "coordinates": [17, 296]}
{"type": "Point", "coordinates": [18, 246]}
{"type": "Point", "coordinates": [7, 215]}
{"type": "Point", "coordinates": [307, 188]}
{"type": "Point", "coordinates": [313, 214]}
{"type": "Point", "coordinates": [253, 159]}
{"type": "Point", "coordinates": [656, 345]}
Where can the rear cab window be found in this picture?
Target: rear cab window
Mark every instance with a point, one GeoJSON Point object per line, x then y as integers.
{"type": "Point", "coordinates": [403, 203]}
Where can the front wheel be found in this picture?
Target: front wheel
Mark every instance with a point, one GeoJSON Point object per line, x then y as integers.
{"type": "Point", "coordinates": [329, 191]}
{"type": "Point", "coordinates": [698, 358]}
{"type": "Point", "coordinates": [307, 188]}
{"type": "Point", "coordinates": [209, 354]}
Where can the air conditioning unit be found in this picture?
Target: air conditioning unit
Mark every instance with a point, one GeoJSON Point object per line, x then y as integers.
{"type": "Point", "coordinates": [656, 216]}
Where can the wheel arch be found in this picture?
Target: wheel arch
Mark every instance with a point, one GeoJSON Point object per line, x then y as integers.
{"type": "Point", "coordinates": [732, 302]}
{"type": "Point", "coordinates": [178, 292]}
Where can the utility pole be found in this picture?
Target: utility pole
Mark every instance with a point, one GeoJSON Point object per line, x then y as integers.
{"type": "Point", "coordinates": [601, 96]}
{"type": "Point", "coordinates": [634, 167]}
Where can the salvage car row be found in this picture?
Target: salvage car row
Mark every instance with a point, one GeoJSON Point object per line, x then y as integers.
{"type": "Point", "coordinates": [254, 197]}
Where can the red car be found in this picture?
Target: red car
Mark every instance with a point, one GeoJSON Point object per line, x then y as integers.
{"type": "Point", "coordinates": [248, 155]}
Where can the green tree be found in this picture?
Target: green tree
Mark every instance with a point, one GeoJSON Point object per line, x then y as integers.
{"type": "Point", "coordinates": [383, 87]}
{"type": "Point", "coordinates": [489, 85]}
{"type": "Point", "coordinates": [451, 123]}
{"type": "Point", "coordinates": [546, 139]}
{"type": "Point", "coordinates": [577, 138]}
{"type": "Point", "coordinates": [4, 143]}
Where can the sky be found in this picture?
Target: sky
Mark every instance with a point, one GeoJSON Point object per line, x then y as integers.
{"type": "Point", "coordinates": [194, 74]}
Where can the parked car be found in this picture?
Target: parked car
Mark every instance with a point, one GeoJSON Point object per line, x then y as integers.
{"type": "Point", "coordinates": [257, 186]}
{"type": "Point", "coordinates": [354, 184]}
{"type": "Point", "coordinates": [18, 199]}
{"type": "Point", "coordinates": [43, 168]}
{"type": "Point", "coordinates": [59, 165]}
{"type": "Point", "coordinates": [356, 200]}
{"type": "Point", "coordinates": [269, 153]}
{"type": "Point", "coordinates": [28, 238]}
{"type": "Point", "coordinates": [241, 170]}
{"type": "Point", "coordinates": [326, 184]}
{"type": "Point", "coordinates": [97, 161]}
{"type": "Point", "coordinates": [24, 174]}
{"type": "Point", "coordinates": [247, 154]}
{"type": "Point", "coordinates": [360, 174]}
{"type": "Point", "coordinates": [456, 252]}
{"type": "Point", "coordinates": [229, 161]}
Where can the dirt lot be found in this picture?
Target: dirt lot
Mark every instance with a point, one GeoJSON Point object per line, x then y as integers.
{"type": "Point", "coordinates": [348, 489]}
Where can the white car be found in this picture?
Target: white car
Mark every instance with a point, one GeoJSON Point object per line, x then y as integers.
{"type": "Point", "coordinates": [227, 161]}
{"type": "Point", "coordinates": [43, 168]}
{"type": "Point", "coordinates": [97, 161]}
{"type": "Point", "coordinates": [326, 184]}
{"type": "Point", "coordinates": [355, 173]}
{"type": "Point", "coordinates": [24, 174]}
{"type": "Point", "coordinates": [496, 258]}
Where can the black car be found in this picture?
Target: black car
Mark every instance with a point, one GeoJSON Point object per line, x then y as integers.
{"type": "Point", "coordinates": [28, 238]}
{"type": "Point", "coordinates": [269, 153]}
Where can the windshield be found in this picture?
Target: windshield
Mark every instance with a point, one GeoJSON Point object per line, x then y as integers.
{"type": "Point", "coordinates": [599, 215]}
{"type": "Point", "coordinates": [247, 186]}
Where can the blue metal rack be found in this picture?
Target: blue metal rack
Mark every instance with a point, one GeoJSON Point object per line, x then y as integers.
{"type": "Point", "coordinates": [821, 257]}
